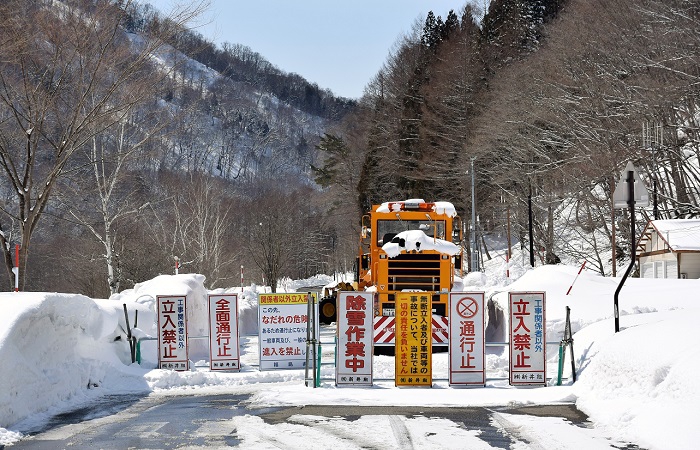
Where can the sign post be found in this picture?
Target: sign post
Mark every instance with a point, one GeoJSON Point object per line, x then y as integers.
{"type": "Point", "coordinates": [630, 191]}
{"type": "Point", "coordinates": [467, 345]}
{"type": "Point", "coordinates": [354, 334]}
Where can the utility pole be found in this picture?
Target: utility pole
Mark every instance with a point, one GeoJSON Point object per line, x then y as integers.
{"type": "Point", "coordinates": [474, 242]}
{"type": "Point", "coordinates": [508, 255]}
{"type": "Point", "coordinates": [612, 229]}
{"type": "Point", "coordinates": [653, 138]}
{"type": "Point", "coordinates": [508, 232]}
{"type": "Point", "coordinates": [529, 215]}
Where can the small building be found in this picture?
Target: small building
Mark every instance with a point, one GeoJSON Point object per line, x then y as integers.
{"type": "Point", "coordinates": [670, 249]}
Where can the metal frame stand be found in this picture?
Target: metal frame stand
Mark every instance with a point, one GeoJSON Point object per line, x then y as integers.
{"type": "Point", "coordinates": [566, 340]}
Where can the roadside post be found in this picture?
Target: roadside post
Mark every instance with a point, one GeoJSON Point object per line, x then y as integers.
{"type": "Point", "coordinates": [579, 273]}
{"type": "Point", "coordinates": [630, 191]}
{"type": "Point", "coordinates": [312, 332]}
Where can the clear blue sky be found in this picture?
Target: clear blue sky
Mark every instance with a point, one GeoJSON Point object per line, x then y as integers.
{"type": "Point", "coordinates": [338, 44]}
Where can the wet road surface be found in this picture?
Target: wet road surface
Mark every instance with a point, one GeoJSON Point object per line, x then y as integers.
{"type": "Point", "coordinates": [209, 421]}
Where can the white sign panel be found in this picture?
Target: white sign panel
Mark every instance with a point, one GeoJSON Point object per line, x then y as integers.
{"type": "Point", "coordinates": [172, 332]}
{"type": "Point", "coordinates": [527, 339]}
{"type": "Point", "coordinates": [467, 344]}
{"type": "Point", "coordinates": [621, 194]}
{"type": "Point", "coordinates": [354, 337]}
{"type": "Point", "coordinates": [224, 350]}
{"type": "Point", "coordinates": [282, 330]}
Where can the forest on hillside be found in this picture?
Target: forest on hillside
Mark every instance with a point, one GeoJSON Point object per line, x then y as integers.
{"type": "Point", "coordinates": [123, 154]}
{"type": "Point", "coordinates": [548, 100]}
{"type": "Point", "coordinates": [129, 143]}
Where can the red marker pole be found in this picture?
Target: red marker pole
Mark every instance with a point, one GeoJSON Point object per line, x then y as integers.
{"type": "Point", "coordinates": [241, 277]}
{"type": "Point", "coordinates": [579, 273]}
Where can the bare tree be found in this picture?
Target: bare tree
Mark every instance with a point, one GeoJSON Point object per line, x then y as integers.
{"type": "Point", "coordinates": [203, 228]}
{"type": "Point", "coordinates": [106, 175]}
{"type": "Point", "coordinates": [68, 71]}
{"type": "Point", "coordinates": [275, 231]}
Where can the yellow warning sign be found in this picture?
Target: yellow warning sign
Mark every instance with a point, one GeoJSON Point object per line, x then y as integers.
{"type": "Point", "coordinates": [414, 366]}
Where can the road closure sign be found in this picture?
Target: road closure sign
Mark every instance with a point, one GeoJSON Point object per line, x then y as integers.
{"type": "Point", "coordinates": [282, 330]}
{"type": "Point", "coordinates": [172, 332]}
{"type": "Point", "coordinates": [224, 350]}
{"type": "Point", "coordinates": [414, 339]}
{"type": "Point", "coordinates": [467, 347]}
{"type": "Point", "coordinates": [527, 339]}
{"type": "Point", "coordinates": [354, 337]}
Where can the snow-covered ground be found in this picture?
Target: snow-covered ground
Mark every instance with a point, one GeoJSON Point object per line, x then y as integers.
{"type": "Point", "coordinates": [61, 351]}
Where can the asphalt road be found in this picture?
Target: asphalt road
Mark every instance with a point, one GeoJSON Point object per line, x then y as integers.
{"type": "Point", "coordinates": [205, 421]}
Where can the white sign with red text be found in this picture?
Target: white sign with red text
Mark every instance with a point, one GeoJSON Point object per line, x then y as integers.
{"type": "Point", "coordinates": [282, 330]}
{"type": "Point", "coordinates": [354, 334]}
{"type": "Point", "coordinates": [527, 339]}
{"type": "Point", "coordinates": [172, 332]}
{"type": "Point", "coordinates": [467, 344]}
{"type": "Point", "coordinates": [224, 350]}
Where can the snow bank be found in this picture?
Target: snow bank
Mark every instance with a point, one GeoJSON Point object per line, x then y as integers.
{"type": "Point", "coordinates": [60, 351]}
{"type": "Point", "coordinates": [190, 285]}
{"type": "Point", "coordinates": [54, 347]}
{"type": "Point", "coordinates": [639, 384]}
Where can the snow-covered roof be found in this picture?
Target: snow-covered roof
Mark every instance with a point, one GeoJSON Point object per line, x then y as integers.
{"type": "Point", "coordinates": [446, 208]}
{"type": "Point", "coordinates": [679, 234]}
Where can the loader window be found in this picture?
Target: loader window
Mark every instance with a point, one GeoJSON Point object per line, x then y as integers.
{"type": "Point", "coordinates": [387, 229]}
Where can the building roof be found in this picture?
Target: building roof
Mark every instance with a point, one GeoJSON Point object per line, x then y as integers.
{"type": "Point", "coordinates": [679, 234]}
